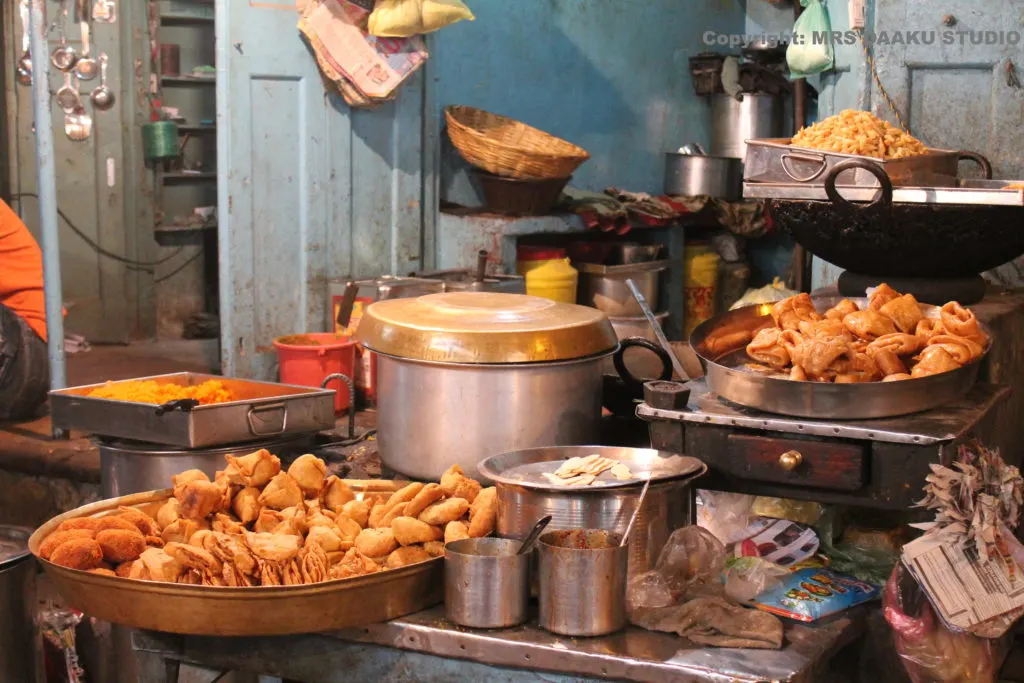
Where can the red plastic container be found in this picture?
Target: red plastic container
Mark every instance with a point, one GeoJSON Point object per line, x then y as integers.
{"type": "Point", "coordinates": [307, 359]}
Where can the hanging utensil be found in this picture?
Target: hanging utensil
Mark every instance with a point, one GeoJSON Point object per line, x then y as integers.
{"type": "Point", "coordinates": [68, 97]}
{"type": "Point", "coordinates": [86, 67]}
{"type": "Point", "coordinates": [656, 327]}
{"type": "Point", "coordinates": [104, 11]}
{"type": "Point", "coordinates": [636, 512]}
{"type": "Point", "coordinates": [534, 534]}
{"type": "Point", "coordinates": [78, 124]}
{"type": "Point", "coordinates": [64, 56]}
{"type": "Point", "coordinates": [102, 97]}
{"type": "Point", "coordinates": [23, 74]}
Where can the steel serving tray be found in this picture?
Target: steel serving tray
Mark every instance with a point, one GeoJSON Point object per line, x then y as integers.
{"type": "Point", "coordinates": [775, 160]}
{"type": "Point", "coordinates": [968, 193]}
{"type": "Point", "coordinates": [224, 611]}
{"type": "Point", "coordinates": [262, 410]}
{"type": "Point", "coordinates": [721, 342]}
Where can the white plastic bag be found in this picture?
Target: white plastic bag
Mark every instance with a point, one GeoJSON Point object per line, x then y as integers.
{"type": "Point", "coordinates": [404, 18]}
{"type": "Point", "coordinates": [810, 52]}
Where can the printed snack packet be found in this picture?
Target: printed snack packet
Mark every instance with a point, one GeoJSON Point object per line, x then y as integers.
{"type": "Point", "coordinates": [810, 594]}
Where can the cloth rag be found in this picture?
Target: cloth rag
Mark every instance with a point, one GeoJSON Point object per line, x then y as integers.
{"type": "Point", "coordinates": [715, 622]}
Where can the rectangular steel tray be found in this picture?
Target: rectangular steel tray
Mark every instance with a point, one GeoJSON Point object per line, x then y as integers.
{"type": "Point", "coordinates": [775, 160]}
{"type": "Point", "coordinates": [625, 269]}
{"type": "Point", "coordinates": [262, 410]}
{"type": "Point", "coordinates": [970, 192]}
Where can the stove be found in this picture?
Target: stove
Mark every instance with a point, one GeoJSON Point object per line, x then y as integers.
{"type": "Point", "coordinates": [878, 463]}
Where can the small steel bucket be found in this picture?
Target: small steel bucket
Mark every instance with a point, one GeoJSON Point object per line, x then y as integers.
{"type": "Point", "coordinates": [486, 584]}
{"type": "Point", "coordinates": [582, 582]}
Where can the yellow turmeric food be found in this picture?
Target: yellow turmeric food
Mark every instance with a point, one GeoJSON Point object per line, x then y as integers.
{"type": "Point", "coordinates": [149, 391]}
{"type": "Point", "coordinates": [861, 133]}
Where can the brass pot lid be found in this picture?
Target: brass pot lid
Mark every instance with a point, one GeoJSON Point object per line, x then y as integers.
{"type": "Point", "coordinates": [484, 327]}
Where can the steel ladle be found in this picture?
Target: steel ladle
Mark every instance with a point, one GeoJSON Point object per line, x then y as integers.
{"type": "Point", "coordinates": [24, 71]}
{"type": "Point", "coordinates": [68, 97]}
{"type": "Point", "coordinates": [102, 97]}
{"type": "Point", "coordinates": [86, 67]}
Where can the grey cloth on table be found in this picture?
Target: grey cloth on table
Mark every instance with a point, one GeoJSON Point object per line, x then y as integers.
{"type": "Point", "coordinates": [713, 621]}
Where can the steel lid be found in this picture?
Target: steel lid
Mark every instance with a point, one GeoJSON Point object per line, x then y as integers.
{"type": "Point", "coordinates": [485, 327]}
{"type": "Point", "coordinates": [13, 545]}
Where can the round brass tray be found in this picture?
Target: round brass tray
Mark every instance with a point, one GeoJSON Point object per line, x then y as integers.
{"type": "Point", "coordinates": [222, 611]}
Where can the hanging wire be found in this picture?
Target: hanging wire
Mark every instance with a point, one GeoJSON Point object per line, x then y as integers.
{"type": "Point", "coordinates": [878, 81]}
{"type": "Point", "coordinates": [180, 268]}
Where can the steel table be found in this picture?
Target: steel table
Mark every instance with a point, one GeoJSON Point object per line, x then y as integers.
{"type": "Point", "coordinates": [425, 647]}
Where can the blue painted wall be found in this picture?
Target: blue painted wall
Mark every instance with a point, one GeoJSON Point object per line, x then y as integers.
{"type": "Point", "coordinates": [609, 75]}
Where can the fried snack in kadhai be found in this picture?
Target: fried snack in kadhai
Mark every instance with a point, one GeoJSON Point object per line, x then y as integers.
{"type": "Point", "coordinates": [878, 343]}
{"type": "Point", "coordinates": [248, 536]}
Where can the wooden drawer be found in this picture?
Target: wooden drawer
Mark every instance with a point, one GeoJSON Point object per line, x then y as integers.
{"type": "Point", "coordinates": [795, 462]}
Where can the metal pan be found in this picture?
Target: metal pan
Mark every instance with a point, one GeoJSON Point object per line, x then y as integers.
{"type": "Point", "coordinates": [256, 611]}
{"type": "Point", "coordinates": [720, 343]}
{"type": "Point", "coordinates": [263, 410]}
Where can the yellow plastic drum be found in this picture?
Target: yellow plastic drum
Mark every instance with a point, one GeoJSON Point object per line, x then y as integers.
{"type": "Point", "coordinates": [555, 280]}
{"type": "Point", "coordinates": [700, 264]}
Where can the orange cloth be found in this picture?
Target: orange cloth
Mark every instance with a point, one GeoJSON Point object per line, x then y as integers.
{"type": "Point", "coordinates": [21, 271]}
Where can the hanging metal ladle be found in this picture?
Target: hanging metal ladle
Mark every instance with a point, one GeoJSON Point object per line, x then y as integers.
{"type": "Point", "coordinates": [24, 71]}
{"type": "Point", "coordinates": [102, 97]}
{"type": "Point", "coordinates": [68, 97]}
{"type": "Point", "coordinates": [64, 56]}
{"type": "Point", "coordinates": [86, 67]}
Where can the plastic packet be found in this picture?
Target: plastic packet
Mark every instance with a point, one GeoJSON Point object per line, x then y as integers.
{"type": "Point", "coordinates": [801, 511]}
{"type": "Point", "coordinates": [768, 294]}
{"type": "Point", "coordinates": [810, 594]}
{"type": "Point", "coordinates": [406, 18]}
{"type": "Point", "coordinates": [930, 652]}
{"type": "Point", "coordinates": [810, 51]}
{"type": "Point", "coordinates": [57, 627]}
{"type": "Point", "coordinates": [778, 540]}
{"type": "Point", "coordinates": [691, 557]}
{"type": "Point", "coordinates": [869, 556]}
{"type": "Point", "coordinates": [747, 577]}
{"type": "Point", "coordinates": [725, 515]}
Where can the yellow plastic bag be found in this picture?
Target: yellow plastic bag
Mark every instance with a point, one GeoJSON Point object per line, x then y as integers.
{"type": "Point", "coordinates": [404, 18]}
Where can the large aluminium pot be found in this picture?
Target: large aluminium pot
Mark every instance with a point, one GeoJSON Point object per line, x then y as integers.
{"type": "Point", "coordinates": [465, 375]}
{"type": "Point", "coordinates": [18, 653]}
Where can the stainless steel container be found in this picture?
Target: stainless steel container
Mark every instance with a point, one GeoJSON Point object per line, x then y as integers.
{"type": "Point", "coordinates": [692, 176]}
{"type": "Point", "coordinates": [604, 287]}
{"type": "Point", "coordinates": [582, 582]}
{"type": "Point", "coordinates": [733, 121]}
{"type": "Point", "coordinates": [431, 415]}
{"type": "Point", "coordinates": [18, 651]}
{"type": "Point", "coordinates": [128, 467]}
{"type": "Point", "coordinates": [486, 584]}
{"type": "Point", "coordinates": [643, 364]}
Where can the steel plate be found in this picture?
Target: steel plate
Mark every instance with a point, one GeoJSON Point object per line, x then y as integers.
{"type": "Point", "coordinates": [222, 611]}
{"type": "Point", "coordinates": [720, 344]}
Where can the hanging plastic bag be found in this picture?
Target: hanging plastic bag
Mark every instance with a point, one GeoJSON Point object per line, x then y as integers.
{"type": "Point", "coordinates": [810, 51]}
{"type": "Point", "coordinates": [405, 18]}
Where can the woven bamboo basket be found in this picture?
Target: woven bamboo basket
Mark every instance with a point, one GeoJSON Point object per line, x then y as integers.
{"type": "Point", "coordinates": [506, 147]}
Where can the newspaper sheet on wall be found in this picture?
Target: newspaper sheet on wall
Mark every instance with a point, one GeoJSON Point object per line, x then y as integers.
{"type": "Point", "coordinates": [965, 589]}
{"type": "Point", "coordinates": [365, 69]}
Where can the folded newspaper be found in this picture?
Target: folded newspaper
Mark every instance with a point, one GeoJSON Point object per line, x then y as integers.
{"type": "Point", "coordinates": [365, 69]}
{"type": "Point", "coordinates": [969, 563]}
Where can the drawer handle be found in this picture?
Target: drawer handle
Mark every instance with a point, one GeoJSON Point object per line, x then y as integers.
{"type": "Point", "coordinates": [790, 460]}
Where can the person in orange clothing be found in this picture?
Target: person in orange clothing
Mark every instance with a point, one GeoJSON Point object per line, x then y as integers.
{"type": "Point", "coordinates": [24, 369]}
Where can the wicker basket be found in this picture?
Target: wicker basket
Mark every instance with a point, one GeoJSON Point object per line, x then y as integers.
{"type": "Point", "coordinates": [509, 148]}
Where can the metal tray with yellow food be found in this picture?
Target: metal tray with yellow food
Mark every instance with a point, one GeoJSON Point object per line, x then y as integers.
{"type": "Point", "coordinates": [236, 610]}
{"type": "Point", "coordinates": [721, 344]}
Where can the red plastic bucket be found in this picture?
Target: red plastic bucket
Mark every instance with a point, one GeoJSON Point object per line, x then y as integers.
{"type": "Point", "coordinates": [306, 359]}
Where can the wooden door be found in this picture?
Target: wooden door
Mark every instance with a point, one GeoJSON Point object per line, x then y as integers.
{"type": "Point", "coordinates": [308, 189]}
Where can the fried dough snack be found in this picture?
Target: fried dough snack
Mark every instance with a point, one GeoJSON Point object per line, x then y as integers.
{"type": "Point", "coordinates": [861, 133]}
{"type": "Point", "coordinates": [258, 524]}
{"type": "Point", "coordinates": [849, 345]}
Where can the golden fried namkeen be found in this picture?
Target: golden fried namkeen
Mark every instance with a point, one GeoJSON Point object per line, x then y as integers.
{"type": "Point", "coordinates": [961, 322]}
{"type": "Point", "coordinates": [928, 328]}
{"type": "Point", "coordinates": [114, 522]}
{"type": "Point", "coordinates": [377, 513]}
{"type": "Point", "coordinates": [841, 310]}
{"type": "Point", "coordinates": [767, 348]}
{"type": "Point", "coordinates": [869, 324]}
{"type": "Point", "coordinates": [483, 513]}
{"type": "Point", "coordinates": [179, 531]}
{"type": "Point", "coordinates": [146, 525]}
{"type": "Point", "coordinates": [120, 545]}
{"type": "Point", "coordinates": [192, 557]}
{"type": "Point", "coordinates": [326, 537]}
{"type": "Point", "coordinates": [313, 564]}
{"type": "Point", "coordinates": [268, 520]}
{"type": "Point", "coordinates": [376, 542]}
{"type": "Point", "coordinates": [410, 531]}
{"type": "Point", "coordinates": [150, 391]}
{"type": "Point", "coordinates": [273, 547]}
{"type": "Point", "coordinates": [309, 472]}
{"type": "Point", "coordinates": [898, 343]}
{"type": "Point", "coordinates": [904, 312]}
{"type": "Point", "coordinates": [51, 542]}
{"type": "Point", "coordinates": [880, 296]}
{"type": "Point", "coordinates": [336, 494]}
{"type": "Point", "coordinates": [861, 133]}
{"type": "Point", "coordinates": [255, 469]}
{"type": "Point", "coordinates": [455, 531]}
{"type": "Point", "coordinates": [933, 361]}
{"type": "Point", "coordinates": [827, 328]}
{"type": "Point", "coordinates": [168, 513]}
{"type": "Point", "coordinates": [797, 374]}
{"type": "Point", "coordinates": [246, 504]}
{"type": "Point", "coordinates": [789, 312]}
{"type": "Point", "coordinates": [348, 529]}
{"type": "Point", "coordinates": [817, 354]}
{"type": "Point", "coordinates": [199, 499]}
{"type": "Point", "coordinates": [281, 492]}
{"type": "Point", "coordinates": [434, 548]}
{"type": "Point", "coordinates": [357, 511]}
{"type": "Point", "coordinates": [430, 493]}
{"type": "Point", "coordinates": [88, 523]}
{"type": "Point", "coordinates": [227, 524]}
{"type": "Point", "coordinates": [405, 556]}
{"type": "Point", "coordinates": [403, 495]}
{"type": "Point", "coordinates": [124, 569]}
{"type": "Point", "coordinates": [199, 538]}
{"type": "Point", "coordinates": [442, 512]}
{"type": "Point", "coordinates": [159, 565]}
{"type": "Point", "coordinates": [456, 484]}
{"type": "Point", "coordinates": [899, 376]}
{"type": "Point", "coordinates": [888, 362]}
{"type": "Point", "coordinates": [354, 563]}
{"type": "Point", "coordinates": [396, 511]}
{"type": "Point", "coordinates": [78, 553]}
{"type": "Point", "coordinates": [962, 349]}
{"type": "Point", "coordinates": [297, 517]}
{"type": "Point", "coordinates": [102, 571]}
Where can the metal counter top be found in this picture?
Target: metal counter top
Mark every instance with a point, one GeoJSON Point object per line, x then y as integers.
{"type": "Point", "coordinates": [630, 655]}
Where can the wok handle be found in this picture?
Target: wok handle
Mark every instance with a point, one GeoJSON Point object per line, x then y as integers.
{"type": "Point", "coordinates": [351, 398]}
{"type": "Point", "coordinates": [874, 169]}
{"type": "Point", "coordinates": [632, 382]}
{"type": "Point", "coordinates": [185, 405]}
{"type": "Point", "coordinates": [982, 161]}
{"type": "Point", "coordinates": [260, 416]}
{"type": "Point", "coordinates": [803, 156]}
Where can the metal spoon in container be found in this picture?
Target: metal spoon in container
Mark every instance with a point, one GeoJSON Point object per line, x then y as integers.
{"type": "Point", "coordinates": [531, 538]}
{"type": "Point", "coordinates": [636, 512]}
{"type": "Point", "coordinates": [102, 96]}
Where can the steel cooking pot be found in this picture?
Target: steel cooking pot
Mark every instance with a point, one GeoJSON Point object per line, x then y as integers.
{"type": "Point", "coordinates": [465, 375]}
{"type": "Point", "coordinates": [18, 659]}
